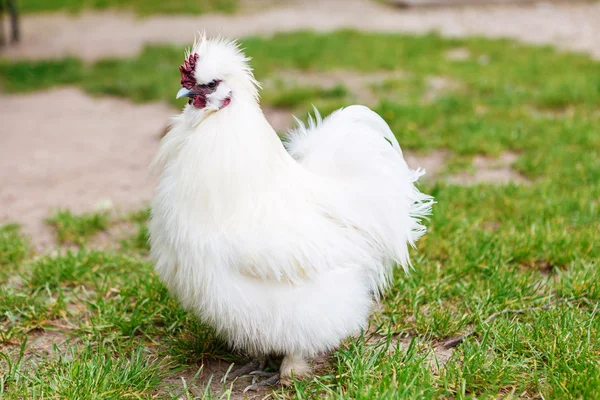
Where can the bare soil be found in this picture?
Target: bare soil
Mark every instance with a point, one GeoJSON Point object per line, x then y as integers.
{"type": "Point", "coordinates": [210, 374]}
{"type": "Point", "coordinates": [491, 170]}
{"type": "Point", "coordinates": [74, 152]}
{"type": "Point", "coordinates": [96, 35]}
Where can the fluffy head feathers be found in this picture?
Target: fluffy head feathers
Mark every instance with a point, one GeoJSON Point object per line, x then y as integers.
{"type": "Point", "coordinates": [219, 59]}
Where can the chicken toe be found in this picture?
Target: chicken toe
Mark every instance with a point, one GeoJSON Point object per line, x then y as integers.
{"type": "Point", "coordinates": [246, 369]}
{"type": "Point", "coordinates": [273, 380]}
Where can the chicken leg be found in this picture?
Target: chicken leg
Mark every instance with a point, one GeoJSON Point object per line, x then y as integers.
{"type": "Point", "coordinates": [293, 364]}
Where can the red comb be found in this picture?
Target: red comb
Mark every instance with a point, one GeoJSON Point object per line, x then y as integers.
{"type": "Point", "coordinates": [188, 80]}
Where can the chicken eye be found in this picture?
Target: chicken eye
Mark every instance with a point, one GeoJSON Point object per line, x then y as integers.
{"type": "Point", "coordinates": [212, 84]}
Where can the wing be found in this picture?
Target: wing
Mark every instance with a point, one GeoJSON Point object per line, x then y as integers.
{"type": "Point", "coordinates": [373, 190]}
{"type": "Point", "coordinates": [295, 241]}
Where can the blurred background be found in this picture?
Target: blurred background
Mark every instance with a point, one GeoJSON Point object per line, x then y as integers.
{"type": "Point", "coordinates": [498, 100]}
{"type": "Point", "coordinates": [88, 85]}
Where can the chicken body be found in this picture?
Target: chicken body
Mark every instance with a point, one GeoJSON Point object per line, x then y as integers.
{"type": "Point", "coordinates": [281, 250]}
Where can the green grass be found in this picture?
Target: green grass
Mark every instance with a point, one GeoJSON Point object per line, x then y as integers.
{"type": "Point", "coordinates": [25, 76]}
{"type": "Point", "coordinates": [14, 248]}
{"type": "Point", "coordinates": [489, 248]}
{"type": "Point", "coordinates": [77, 229]}
{"type": "Point", "coordinates": [138, 241]}
{"type": "Point", "coordinates": [87, 373]}
{"type": "Point", "coordinates": [140, 7]}
{"type": "Point", "coordinates": [303, 97]}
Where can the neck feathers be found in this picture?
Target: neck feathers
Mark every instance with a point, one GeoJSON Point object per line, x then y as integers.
{"type": "Point", "coordinates": [223, 166]}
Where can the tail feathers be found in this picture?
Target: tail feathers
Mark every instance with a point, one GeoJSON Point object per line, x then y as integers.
{"type": "Point", "coordinates": [377, 195]}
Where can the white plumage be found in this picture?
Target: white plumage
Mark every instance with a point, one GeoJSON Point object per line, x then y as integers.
{"type": "Point", "coordinates": [281, 251]}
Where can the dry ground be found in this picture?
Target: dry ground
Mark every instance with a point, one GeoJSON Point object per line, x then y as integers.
{"type": "Point", "coordinates": [96, 35]}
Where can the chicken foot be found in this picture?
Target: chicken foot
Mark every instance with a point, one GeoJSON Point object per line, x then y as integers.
{"type": "Point", "coordinates": [246, 369]}
{"type": "Point", "coordinates": [272, 379]}
{"type": "Point", "coordinates": [293, 365]}
{"type": "Point", "coordinates": [255, 367]}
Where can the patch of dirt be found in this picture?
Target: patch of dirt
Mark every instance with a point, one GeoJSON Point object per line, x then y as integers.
{"type": "Point", "coordinates": [458, 54]}
{"type": "Point", "coordinates": [280, 119]}
{"type": "Point", "coordinates": [14, 282]}
{"type": "Point", "coordinates": [73, 152]}
{"type": "Point", "coordinates": [542, 266]}
{"type": "Point", "coordinates": [40, 345]}
{"type": "Point", "coordinates": [438, 358]}
{"type": "Point", "coordinates": [436, 355]}
{"type": "Point", "coordinates": [110, 238]}
{"type": "Point", "coordinates": [211, 373]}
{"type": "Point", "coordinates": [491, 226]}
{"type": "Point", "coordinates": [432, 162]}
{"type": "Point", "coordinates": [558, 113]}
{"type": "Point", "coordinates": [436, 86]}
{"type": "Point", "coordinates": [491, 170]}
{"type": "Point", "coordinates": [253, 6]}
{"type": "Point", "coordinates": [96, 35]}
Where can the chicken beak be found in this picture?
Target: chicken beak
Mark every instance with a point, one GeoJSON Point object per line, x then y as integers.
{"type": "Point", "coordinates": [183, 92]}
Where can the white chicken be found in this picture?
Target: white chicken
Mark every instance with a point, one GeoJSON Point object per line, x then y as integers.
{"type": "Point", "coordinates": [282, 251]}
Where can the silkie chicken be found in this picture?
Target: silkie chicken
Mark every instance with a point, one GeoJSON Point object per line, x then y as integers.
{"type": "Point", "coordinates": [281, 248]}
